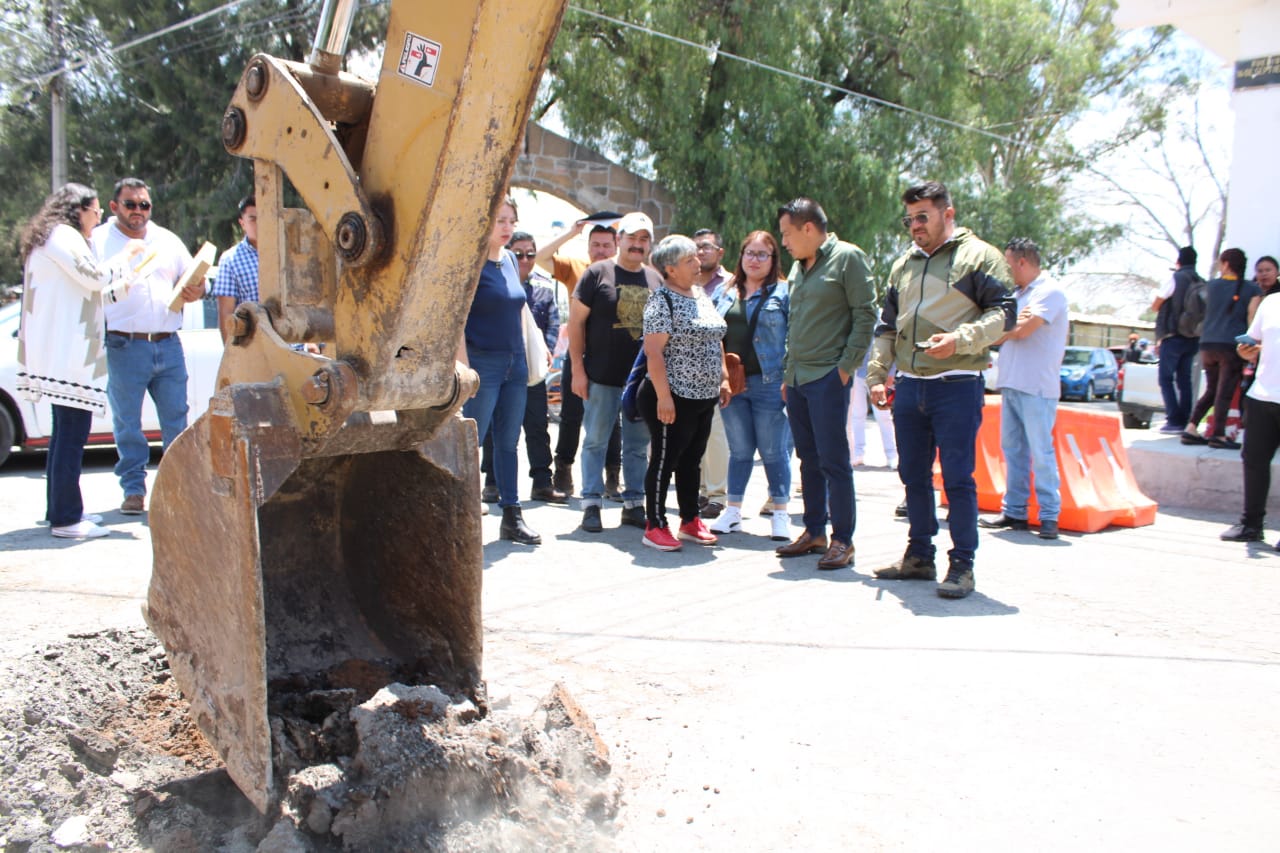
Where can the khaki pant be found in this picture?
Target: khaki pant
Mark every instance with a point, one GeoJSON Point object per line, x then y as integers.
{"type": "Point", "coordinates": [715, 462]}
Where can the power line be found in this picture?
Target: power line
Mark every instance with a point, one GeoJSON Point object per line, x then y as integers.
{"type": "Point", "coordinates": [172, 28]}
{"type": "Point", "coordinates": [793, 75]}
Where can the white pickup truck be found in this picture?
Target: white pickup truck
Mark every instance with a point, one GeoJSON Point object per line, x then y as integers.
{"type": "Point", "coordinates": [1138, 395]}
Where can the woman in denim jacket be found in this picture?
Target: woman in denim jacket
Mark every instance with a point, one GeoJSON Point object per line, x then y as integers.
{"type": "Point", "coordinates": [755, 304]}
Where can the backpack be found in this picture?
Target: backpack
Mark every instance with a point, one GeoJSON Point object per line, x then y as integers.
{"type": "Point", "coordinates": [1195, 301]}
{"type": "Point", "coordinates": [640, 372]}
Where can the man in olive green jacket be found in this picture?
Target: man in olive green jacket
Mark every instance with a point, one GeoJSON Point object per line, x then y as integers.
{"type": "Point", "coordinates": [948, 300]}
{"type": "Point", "coordinates": [832, 314]}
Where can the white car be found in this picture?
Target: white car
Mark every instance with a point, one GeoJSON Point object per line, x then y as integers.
{"type": "Point", "coordinates": [25, 425]}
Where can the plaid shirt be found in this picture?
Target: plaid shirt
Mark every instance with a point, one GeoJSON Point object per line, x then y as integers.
{"type": "Point", "coordinates": [238, 273]}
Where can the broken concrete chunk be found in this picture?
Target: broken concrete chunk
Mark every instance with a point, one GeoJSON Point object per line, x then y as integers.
{"type": "Point", "coordinates": [565, 718]}
{"type": "Point", "coordinates": [72, 832]}
{"type": "Point", "coordinates": [97, 749]}
{"type": "Point", "coordinates": [284, 838]}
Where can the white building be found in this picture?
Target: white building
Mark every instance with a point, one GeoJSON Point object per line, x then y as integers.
{"type": "Point", "coordinates": [1247, 34]}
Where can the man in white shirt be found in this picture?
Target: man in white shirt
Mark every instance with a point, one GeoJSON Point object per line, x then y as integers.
{"type": "Point", "coordinates": [1030, 361]}
{"type": "Point", "coordinates": [144, 354]}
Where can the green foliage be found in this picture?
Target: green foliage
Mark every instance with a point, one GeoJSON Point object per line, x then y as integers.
{"type": "Point", "coordinates": [733, 140]}
{"type": "Point", "coordinates": [153, 111]}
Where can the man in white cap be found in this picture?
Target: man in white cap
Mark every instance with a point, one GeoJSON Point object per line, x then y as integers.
{"type": "Point", "coordinates": [606, 320]}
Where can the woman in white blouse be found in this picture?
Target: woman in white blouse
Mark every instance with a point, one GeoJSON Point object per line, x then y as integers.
{"type": "Point", "coordinates": [60, 354]}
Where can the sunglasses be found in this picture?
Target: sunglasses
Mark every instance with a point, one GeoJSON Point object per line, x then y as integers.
{"type": "Point", "coordinates": [130, 204]}
{"type": "Point", "coordinates": [524, 256]}
{"type": "Point", "coordinates": [918, 219]}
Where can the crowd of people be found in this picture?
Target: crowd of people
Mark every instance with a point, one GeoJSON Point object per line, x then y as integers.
{"type": "Point", "coordinates": [724, 366]}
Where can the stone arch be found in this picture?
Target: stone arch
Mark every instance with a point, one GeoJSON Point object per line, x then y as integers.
{"type": "Point", "coordinates": [554, 164]}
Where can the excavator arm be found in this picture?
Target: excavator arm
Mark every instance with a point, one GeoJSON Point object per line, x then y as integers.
{"type": "Point", "coordinates": [320, 523]}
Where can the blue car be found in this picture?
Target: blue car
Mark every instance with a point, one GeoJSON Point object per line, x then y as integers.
{"type": "Point", "coordinates": [1088, 373]}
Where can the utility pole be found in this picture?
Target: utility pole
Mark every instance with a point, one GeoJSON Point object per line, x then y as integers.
{"type": "Point", "coordinates": [57, 101]}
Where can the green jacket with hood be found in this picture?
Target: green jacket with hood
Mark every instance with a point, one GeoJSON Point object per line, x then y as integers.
{"type": "Point", "coordinates": [963, 287]}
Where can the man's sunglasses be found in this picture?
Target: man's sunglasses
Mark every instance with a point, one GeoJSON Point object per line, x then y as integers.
{"type": "Point", "coordinates": [524, 256]}
{"type": "Point", "coordinates": [130, 204]}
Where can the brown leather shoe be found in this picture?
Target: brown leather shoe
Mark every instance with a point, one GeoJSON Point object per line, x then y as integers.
{"type": "Point", "coordinates": [838, 556]}
{"type": "Point", "coordinates": [806, 544]}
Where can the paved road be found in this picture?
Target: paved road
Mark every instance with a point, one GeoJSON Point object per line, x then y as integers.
{"type": "Point", "coordinates": [1115, 691]}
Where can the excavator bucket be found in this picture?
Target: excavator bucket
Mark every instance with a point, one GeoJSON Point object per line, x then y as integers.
{"type": "Point", "coordinates": [319, 525]}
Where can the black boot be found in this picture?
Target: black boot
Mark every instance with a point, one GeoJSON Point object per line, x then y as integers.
{"type": "Point", "coordinates": [514, 528]}
{"type": "Point", "coordinates": [562, 480]}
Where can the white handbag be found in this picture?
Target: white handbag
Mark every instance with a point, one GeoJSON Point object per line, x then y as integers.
{"type": "Point", "coordinates": [535, 348]}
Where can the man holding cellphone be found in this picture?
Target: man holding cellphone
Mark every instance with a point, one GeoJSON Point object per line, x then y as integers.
{"type": "Point", "coordinates": [949, 291]}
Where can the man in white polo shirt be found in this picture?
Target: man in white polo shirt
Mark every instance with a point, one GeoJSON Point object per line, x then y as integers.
{"type": "Point", "coordinates": [144, 355]}
{"type": "Point", "coordinates": [1030, 359]}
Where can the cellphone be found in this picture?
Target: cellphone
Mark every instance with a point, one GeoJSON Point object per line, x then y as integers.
{"type": "Point", "coordinates": [924, 345]}
{"type": "Point", "coordinates": [1247, 341]}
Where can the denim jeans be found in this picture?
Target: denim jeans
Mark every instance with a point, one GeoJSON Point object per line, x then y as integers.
{"type": "Point", "coordinates": [939, 416]}
{"type": "Point", "coordinates": [818, 412]}
{"type": "Point", "coordinates": [755, 420]}
{"type": "Point", "coordinates": [500, 403]}
{"type": "Point", "coordinates": [135, 369]}
{"type": "Point", "coordinates": [1026, 437]}
{"type": "Point", "coordinates": [599, 415]}
{"type": "Point", "coordinates": [537, 441]}
{"type": "Point", "coordinates": [64, 504]}
{"type": "Point", "coordinates": [1176, 357]}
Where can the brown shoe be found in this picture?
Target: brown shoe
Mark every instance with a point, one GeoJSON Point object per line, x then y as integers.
{"type": "Point", "coordinates": [838, 556]}
{"type": "Point", "coordinates": [548, 494]}
{"type": "Point", "coordinates": [133, 505]}
{"type": "Point", "coordinates": [806, 544]}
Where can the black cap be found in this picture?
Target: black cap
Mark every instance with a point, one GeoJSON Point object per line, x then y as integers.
{"type": "Point", "coordinates": [1187, 257]}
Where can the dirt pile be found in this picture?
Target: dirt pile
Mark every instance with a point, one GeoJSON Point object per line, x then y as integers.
{"type": "Point", "coordinates": [97, 752]}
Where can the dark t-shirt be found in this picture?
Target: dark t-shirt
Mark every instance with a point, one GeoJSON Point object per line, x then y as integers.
{"type": "Point", "coordinates": [616, 298]}
{"type": "Point", "coordinates": [1226, 312]}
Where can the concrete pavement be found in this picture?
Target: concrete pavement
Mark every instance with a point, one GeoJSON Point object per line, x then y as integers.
{"type": "Point", "coordinates": [1112, 691]}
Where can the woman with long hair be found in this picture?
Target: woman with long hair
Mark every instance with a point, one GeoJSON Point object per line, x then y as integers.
{"type": "Point", "coordinates": [755, 308]}
{"type": "Point", "coordinates": [493, 346]}
{"type": "Point", "coordinates": [60, 353]}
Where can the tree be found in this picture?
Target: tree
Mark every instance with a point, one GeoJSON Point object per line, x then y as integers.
{"type": "Point", "coordinates": [153, 111]}
{"type": "Point", "coordinates": [733, 140]}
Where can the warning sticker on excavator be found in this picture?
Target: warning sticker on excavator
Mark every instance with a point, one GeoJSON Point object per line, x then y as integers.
{"type": "Point", "coordinates": [419, 59]}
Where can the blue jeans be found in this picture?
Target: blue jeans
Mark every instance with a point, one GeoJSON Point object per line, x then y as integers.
{"type": "Point", "coordinates": [755, 420]}
{"type": "Point", "coordinates": [1026, 437]}
{"type": "Point", "coordinates": [818, 412]}
{"type": "Point", "coordinates": [63, 501]}
{"type": "Point", "coordinates": [500, 403]}
{"type": "Point", "coordinates": [939, 416]}
{"type": "Point", "coordinates": [599, 414]}
{"type": "Point", "coordinates": [1176, 357]}
{"type": "Point", "coordinates": [135, 369]}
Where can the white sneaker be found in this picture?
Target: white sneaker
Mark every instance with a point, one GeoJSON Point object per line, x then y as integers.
{"type": "Point", "coordinates": [88, 516]}
{"type": "Point", "coordinates": [80, 530]}
{"type": "Point", "coordinates": [729, 520]}
{"type": "Point", "coordinates": [781, 527]}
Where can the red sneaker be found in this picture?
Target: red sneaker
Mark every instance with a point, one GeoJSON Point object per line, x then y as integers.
{"type": "Point", "coordinates": [660, 538]}
{"type": "Point", "coordinates": [696, 531]}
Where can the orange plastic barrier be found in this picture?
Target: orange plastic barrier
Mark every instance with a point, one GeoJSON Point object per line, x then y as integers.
{"type": "Point", "coordinates": [1096, 482]}
{"type": "Point", "coordinates": [1097, 487]}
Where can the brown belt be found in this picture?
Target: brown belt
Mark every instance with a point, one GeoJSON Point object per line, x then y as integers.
{"type": "Point", "coordinates": [142, 336]}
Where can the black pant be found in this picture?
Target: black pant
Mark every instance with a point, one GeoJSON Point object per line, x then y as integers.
{"type": "Point", "coordinates": [1261, 440]}
{"type": "Point", "coordinates": [571, 425]}
{"type": "Point", "coordinates": [674, 448]}
{"type": "Point", "coordinates": [537, 441]}
{"type": "Point", "coordinates": [1222, 375]}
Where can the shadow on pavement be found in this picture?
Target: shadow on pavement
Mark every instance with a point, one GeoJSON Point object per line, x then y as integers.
{"type": "Point", "coordinates": [922, 599]}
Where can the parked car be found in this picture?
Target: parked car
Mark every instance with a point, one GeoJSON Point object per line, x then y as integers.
{"type": "Point", "coordinates": [25, 426]}
{"type": "Point", "coordinates": [1139, 398]}
{"type": "Point", "coordinates": [1088, 373]}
